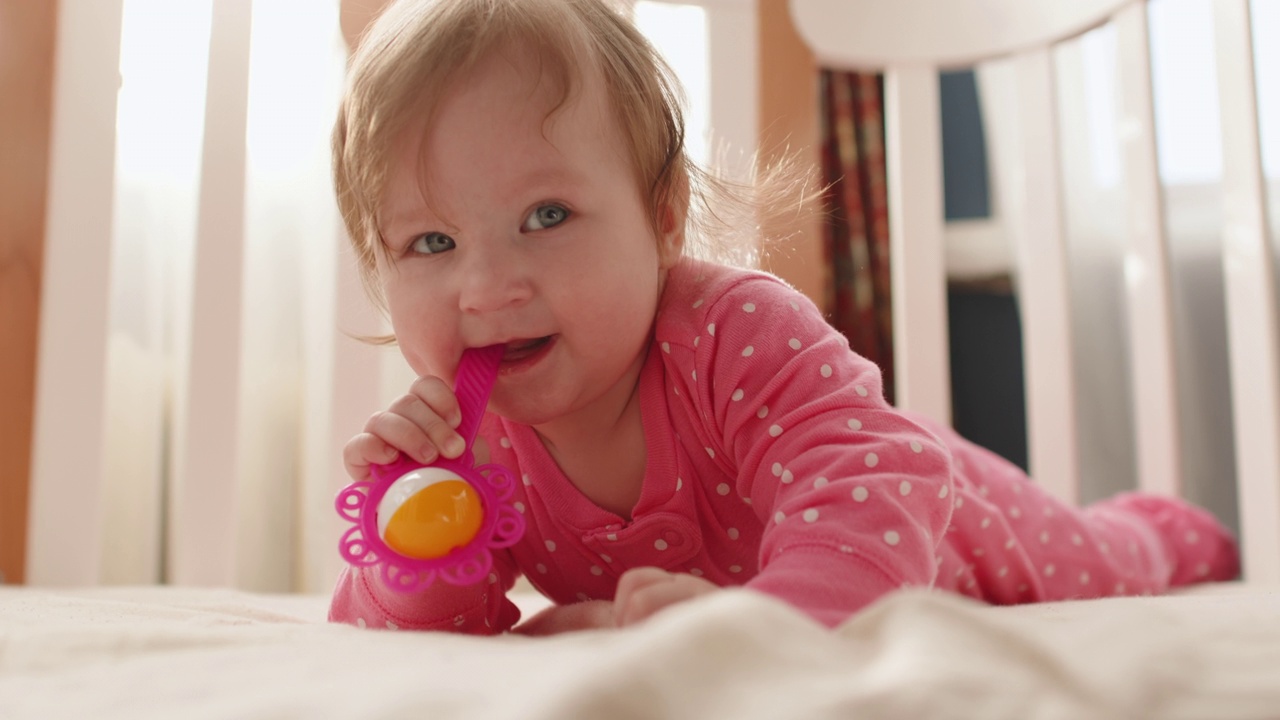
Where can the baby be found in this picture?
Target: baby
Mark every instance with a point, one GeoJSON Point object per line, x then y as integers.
{"type": "Point", "coordinates": [513, 171]}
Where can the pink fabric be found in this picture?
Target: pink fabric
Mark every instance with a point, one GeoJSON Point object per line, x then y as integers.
{"type": "Point", "coordinates": [774, 463]}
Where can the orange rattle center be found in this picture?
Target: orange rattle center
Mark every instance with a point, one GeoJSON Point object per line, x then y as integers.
{"type": "Point", "coordinates": [430, 517]}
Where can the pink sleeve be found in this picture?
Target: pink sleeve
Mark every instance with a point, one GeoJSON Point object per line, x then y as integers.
{"type": "Point", "coordinates": [854, 496]}
{"type": "Point", "coordinates": [361, 598]}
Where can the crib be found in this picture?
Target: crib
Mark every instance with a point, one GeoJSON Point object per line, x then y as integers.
{"type": "Point", "coordinates": [168, 629]}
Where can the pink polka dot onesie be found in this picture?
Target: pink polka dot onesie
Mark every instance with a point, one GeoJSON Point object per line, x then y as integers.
{"type": "Point", "coordinates": [774, 463]}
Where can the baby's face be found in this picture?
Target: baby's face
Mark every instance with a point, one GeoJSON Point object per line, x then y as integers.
{"type": "Point", "coordinates": [535, 235]}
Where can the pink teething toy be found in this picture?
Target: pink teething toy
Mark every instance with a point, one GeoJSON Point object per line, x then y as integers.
{"type": "Point", "coordinates": [420, 522]}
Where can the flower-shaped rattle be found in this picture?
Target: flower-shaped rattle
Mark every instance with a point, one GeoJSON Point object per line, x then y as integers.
{"type": "Point", "coordinates": [441, 520]}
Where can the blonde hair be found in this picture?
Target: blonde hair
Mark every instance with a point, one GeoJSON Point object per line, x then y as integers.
{"type": "Point", "coordinates": [408, 59]}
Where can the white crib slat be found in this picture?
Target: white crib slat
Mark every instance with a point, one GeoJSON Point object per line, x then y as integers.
{"type": "Point", "coordinates": [207, 452]}
{"type": "Point", "coordinates": [913, 138]}
{"type": "Point", "coordinates": [68, 462]}
{"type": "Point", "coordinates": [1147, 266]}
{"type": "Point", "coordinates": [1044, 296]}
{"type": "Point", "coordinates": [1251, 296]}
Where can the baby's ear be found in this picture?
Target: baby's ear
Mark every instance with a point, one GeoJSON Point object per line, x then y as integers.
{"type": "Point", "coordinates": [671, 222]}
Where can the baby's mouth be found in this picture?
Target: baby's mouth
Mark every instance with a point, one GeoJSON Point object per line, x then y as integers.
{"type": "Point", "coordinates": [518, 350]}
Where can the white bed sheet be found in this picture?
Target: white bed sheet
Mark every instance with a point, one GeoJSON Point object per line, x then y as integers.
{"type": "Point", "coordinates": [182, 653]}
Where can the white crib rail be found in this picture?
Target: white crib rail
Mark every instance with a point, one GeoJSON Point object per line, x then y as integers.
{"type": "Point", "coordinates": [868, 35]}
{"type": "Point", "coordinates": [1250, 279]}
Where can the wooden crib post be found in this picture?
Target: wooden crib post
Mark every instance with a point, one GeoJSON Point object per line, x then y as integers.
{"type": "Point", "coordinates": [68, 461]}
{"type": "Point", "coordinates": [913, 139]}
{"type": "Point", "coordinates": [1250, 281]}
{"type": "Point", "coordinates": [1044, 295]}
{"type": "Point", "coordinates": [1147, 265]}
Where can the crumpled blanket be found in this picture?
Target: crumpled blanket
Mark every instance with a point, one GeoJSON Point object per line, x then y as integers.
{"type": "Point", "coordinates": [141, 653]}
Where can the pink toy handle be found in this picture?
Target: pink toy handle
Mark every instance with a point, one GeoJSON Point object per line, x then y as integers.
{"type": "Point", "coordinates": [473, 385]}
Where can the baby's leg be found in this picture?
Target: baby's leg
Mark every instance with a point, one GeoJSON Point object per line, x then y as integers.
{"type": "Point", "coordinates": [1012, 542]}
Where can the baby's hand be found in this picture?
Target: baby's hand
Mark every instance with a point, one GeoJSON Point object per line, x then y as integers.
{"type": "Point", "coordinates": [421, 424]}
{"type": "Point", "coordinates": [644, 591]}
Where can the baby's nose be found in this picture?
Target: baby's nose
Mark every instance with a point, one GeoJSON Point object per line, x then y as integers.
{"type": "Point", "coordinates": [494, 280]}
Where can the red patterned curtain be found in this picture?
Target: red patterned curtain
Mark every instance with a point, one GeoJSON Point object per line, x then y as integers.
{"type": "Point", "coordinates": [856, 234]}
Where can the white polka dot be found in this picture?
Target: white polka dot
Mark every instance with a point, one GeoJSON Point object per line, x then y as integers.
{"type": "Point", "coordinates": [775, 430]}
{"type": "Point", "coordinates": [695, 340]}
{"type": "Point", "coordinates": [695, 572]}
{"type": "Point", "coordinates": [611, 537]}
{"type": "Point", "coordinates": [820, 482]}
{"type": "Point", "coordinates": [660, 544]}
{"type": "Point", "coordinates": [1044, 537]}
{"type": "Point", "coordinates": [959, 501]}
{"type": "Point", "coordinates": [1084, 578]}
{"type": "Point", "coordinates": [916, 447]}
{"type": "Point", "coordinates": [519, 506]}
{"type": "Point", "coordinates": [811, 515]}
{"type": "Point", "coordinates": [1017, 488]}
{"type": "Point", "coordinates": [1008, 544]}
{"type": "Point", "coordinates": [746, 351]}
{"type": "Point", "coordinates": [855, 424]}
{"type": "Point", "coordinates": [777, 469]}
{"type": "Point", "coordinates": [746, 501]}
{"type": "Point", "coordinates": [697, 303]}
{"type": "Point", "coordinates": [596, 570]}
{"type": "Point", "coordinates": [944, 491]}
{"type": "Point", "coordinates": [1076, 539]}
{"type": "Point", "coordinates": [1002, 572]}
{"type": "Point", "coordinates": [764, 410]}
{"type": "Point", "coordinates": [860, 389]}
{"type": "Point", "coordinates": [504, 442]}
{"type": "Point", "coordinates": [860, 494]}
{"type": "Point", "coordinates": [794, 343]}
{"type": "Point", "coordinates": [711, 329]}
{"type": "Point", "coordinates": [666, 348]}
{"type": "Point", "coordinates": [541, 568]}
{"type": "Point", "coordinates": [606, 558]}
{"type": "Point", "coordinates": [392, 626]}
{"type": "Point", "coordinates": [1023, 588]}
{"type": "Point", "coordinates": [825, 370]}
{"type": "Point", "coordinates": [904, 489]}
{"type": "Point", "coordinates": [793, 304]}
{"type": "Point", "coordinates": [735, 569]}
{"type": "Point", "coordinates": [694, 375]}
{"type": "Point", "coordinates": [779, 516]}
{"type": "Point", "coordinates": [1015, 512]}
{"type": "Point", "coordinates": [551, 545]}
{"type": "Point", "coordinates": [732, 533]}
{"type": "Point", "coordinates": [787, 477]}
{"type": "Point", "coordinates": [723, 488]}
{"type": "Point", "coordinates": [493, 578]}
{"type": "Point", "coordinates": [679, 483]}
{"type": "Point", "coordinates": [1193, 537]}
{"type": "Point", "coordinates": [872, 460]}
{"type": "Point", "coordinates": [846, 549]}
{"type": "Point", "coordinates": [525, 479]}
{"type": "Point", "coordinates": [891, 537]}
{"type": "Point", "coordinates": [737, 395]}
{"type": "Point", "coordinates": [711, 452]}
{"type": "Point", "coordinates": [749, 307]}
{"type": "Point", "coordinates": [1049, 570]}
{"type": "Point", "coordinates": [1202, 569]}
{"type": "Point", "coordinates": [583, 597]}
{"type": "Point", "coordinates": [1104, 547]}
{"type": "Point", "coordinates": [979, 552]}
{"type": "Point", "coordinates": [986, 523]}
{"type": "Point", "coordinates": [982, 489]}
{"type": "Point", "coordinates": [1048, 511]}
{"type": "Point", "coordinates": [360, 622]}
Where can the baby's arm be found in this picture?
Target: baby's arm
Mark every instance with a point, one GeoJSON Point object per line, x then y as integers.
{"type": "Point", "coordinates": [854, 496]}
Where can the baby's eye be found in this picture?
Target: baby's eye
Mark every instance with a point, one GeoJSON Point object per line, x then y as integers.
{"type": "Point", "coordinates": [545, 216]}
{"type": "Point", "coordinates": [432, 243]}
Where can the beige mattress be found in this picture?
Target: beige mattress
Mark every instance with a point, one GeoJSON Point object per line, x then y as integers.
{"type": "Point", "coordinates": [181, 653]}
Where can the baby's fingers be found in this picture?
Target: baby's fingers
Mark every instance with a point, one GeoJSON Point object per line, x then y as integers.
{"type": "Point", "coordinates": [364, 450]}
{"type": "Point", "coordinates": [418, 434]}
